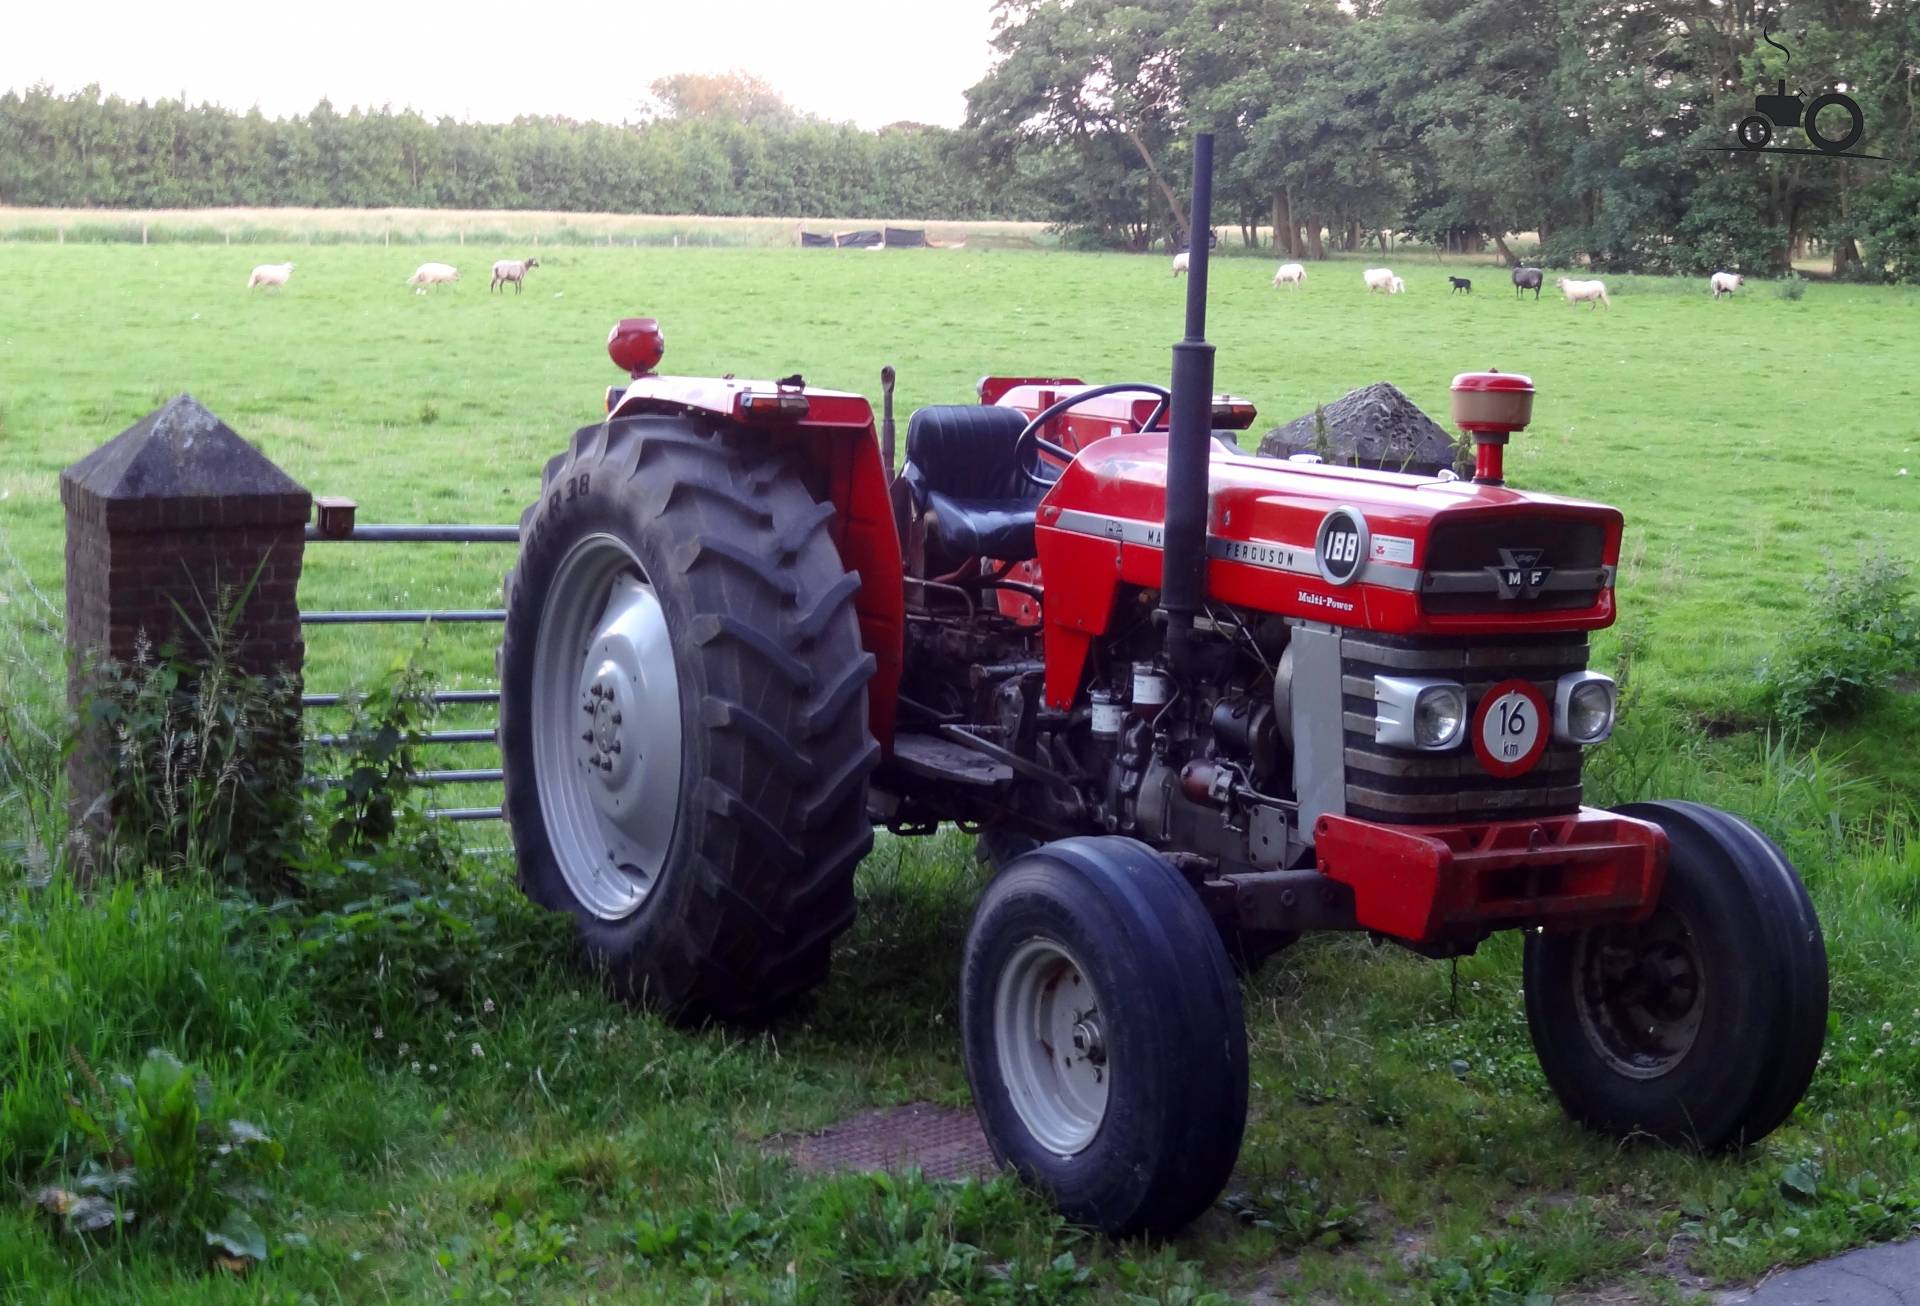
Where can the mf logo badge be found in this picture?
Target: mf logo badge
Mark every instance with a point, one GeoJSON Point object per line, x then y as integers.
{"type": "Point", "coordinates": [1520, 575]}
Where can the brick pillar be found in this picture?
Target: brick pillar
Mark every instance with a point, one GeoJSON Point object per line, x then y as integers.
{"type": "Point", "coordinates": [176, 509]}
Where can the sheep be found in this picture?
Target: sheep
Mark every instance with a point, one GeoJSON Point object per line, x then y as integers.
{"type": "Point", "coordinates": [1590, 293]}
{"type": "Point", "coordinates": [513, 270]}
{"type": "Point", "coordinates": [1397, 287]}
{"type": "Point", "coordinates": [432, 274]}
{"type": "Point", "coordinates": [1379, 279]}
{"type": "Point", "coordinates": [270, 274]}
{"type": "Point", "coordinates": [1525, 279]}
{"type": "Point", "coordinates": [1290, 274]}
{"type": "Point", "coordinates": [1180, 263]}
{"type": "Point", "coordinates": [1724, 283]}
{"type": "Point", "coordinates": [1459, 284]}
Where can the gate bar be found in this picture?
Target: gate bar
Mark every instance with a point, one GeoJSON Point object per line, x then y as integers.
{"type": "Point", "coordinates": [441, 696]}
{"type": "Point", "coordinates": [464, 813]}
{"type": "Point", "coordinates": [377, 617]}
{"type": "Point", "coordinates": [430, 737]}
{"type": "Point", "coordinates": [479, 776]}
{"type": "Point", "coordinates": [377, 534]}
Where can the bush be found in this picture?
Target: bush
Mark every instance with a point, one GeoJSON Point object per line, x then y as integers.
{"type": "Point", "coordinates": [1792, 286]}
{"type": "Point", "coordinates": [1863, 629]}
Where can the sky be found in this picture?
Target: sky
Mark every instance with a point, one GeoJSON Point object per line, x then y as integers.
{"type": "Point", "coordinates": [867, 61]}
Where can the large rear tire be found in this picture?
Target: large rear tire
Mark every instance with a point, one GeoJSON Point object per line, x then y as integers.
{"type": "Point", "coordinates": [683, 716]}
{"type": "Point", "coordinates": [1703, 1024]}
{"type": "Point", "coordinates": [1103, 1035]}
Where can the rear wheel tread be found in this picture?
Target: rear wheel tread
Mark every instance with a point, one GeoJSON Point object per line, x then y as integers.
{"type": "Point", "coordinates": [765, 882]}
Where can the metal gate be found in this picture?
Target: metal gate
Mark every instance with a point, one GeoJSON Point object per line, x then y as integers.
{"type": "Point", "coordinates": [336, 526]}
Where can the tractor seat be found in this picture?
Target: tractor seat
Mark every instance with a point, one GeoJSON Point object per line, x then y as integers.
{"type": "Point", "coordinates": [960, 469]}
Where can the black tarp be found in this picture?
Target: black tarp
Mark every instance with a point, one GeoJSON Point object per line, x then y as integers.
{"type": "Point", "coordinates": [858, 239]}
{"type": "Point", "coordinates": [814, 240]}
{"type": "Point", "coordinates": [906, 238]}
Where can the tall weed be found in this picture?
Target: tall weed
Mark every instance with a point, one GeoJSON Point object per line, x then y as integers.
{"type": "Point", "coordinates": [1862, 630]}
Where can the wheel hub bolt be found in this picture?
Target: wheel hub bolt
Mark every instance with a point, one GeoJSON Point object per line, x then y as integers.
{"type": "Point", "coordinates": [1087, 1041]}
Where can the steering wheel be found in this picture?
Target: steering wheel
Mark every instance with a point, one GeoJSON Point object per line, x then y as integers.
{"type": "Point", "coordinates": [1030, 439]}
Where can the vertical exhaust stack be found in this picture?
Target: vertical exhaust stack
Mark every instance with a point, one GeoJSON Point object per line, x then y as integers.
{"type": "Point", "coordinates": [886, 418]}
{"type": "Point", "coordinates": [1189, 433]}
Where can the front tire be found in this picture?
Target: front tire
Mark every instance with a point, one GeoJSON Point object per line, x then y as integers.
{"type": "Point", "coordinates": [683, 716]}
{"type": "Point", "coordinates": [1103, 1034]}
{"type": "Point", "coordinates": [1247, 950]}
{"type": "Point", "coordinates": [1704, 1023]}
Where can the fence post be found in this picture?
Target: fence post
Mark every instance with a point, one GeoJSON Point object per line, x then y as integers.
{"type": "Point", "coordinates": [168, 516]}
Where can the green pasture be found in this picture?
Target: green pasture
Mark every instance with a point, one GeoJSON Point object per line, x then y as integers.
{"type": "Point", "coordinates": [1748, 441]}
{"type": "Point", "coordinates": [532, 1141]}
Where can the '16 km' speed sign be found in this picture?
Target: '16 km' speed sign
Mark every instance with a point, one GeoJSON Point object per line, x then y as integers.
{"type": "Point", "coordinates": [1510, 728]}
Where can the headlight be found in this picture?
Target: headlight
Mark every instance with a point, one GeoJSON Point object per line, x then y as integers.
{"type": "Point", "coordinates": [1583, 707]}
{"type": "Point", "coordinates": [1438, 715]}
{"type": "Point", "coordinates": [1416, 713]}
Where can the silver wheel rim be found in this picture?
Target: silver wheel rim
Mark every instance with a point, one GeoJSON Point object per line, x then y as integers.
{"type": "Point", "coordinates": [1641, 992]}
{"type": "Point", "coordinates": [606, 727]}
{"type": "Point", "coordinates": [1048, 1031]}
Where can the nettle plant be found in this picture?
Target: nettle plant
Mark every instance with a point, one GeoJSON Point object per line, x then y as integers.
{"type": "Point", "coordinates": [206, 756]}
{"type": "Point", "coordinates": [1862, 630]}
{"type": "Point", "coordinates": [164, 1159]}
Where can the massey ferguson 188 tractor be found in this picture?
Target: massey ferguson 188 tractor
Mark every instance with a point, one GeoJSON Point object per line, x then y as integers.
{"type": "Point", "coordinates": [1192, 702]}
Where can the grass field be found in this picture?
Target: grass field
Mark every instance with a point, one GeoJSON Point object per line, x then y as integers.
{"type": "Point", "coordinates": [1402, 1144]}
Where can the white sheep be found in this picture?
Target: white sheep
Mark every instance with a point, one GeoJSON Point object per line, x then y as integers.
{"type": "Point", "coordinates": [432, 274]}
{"type": "Point", "coordinates": [1397, 287]}
{"type": "Point", "coordinates": [270, 274]}
{"type": "Point", "coordinates": [1590, 293]}
{"type": "Point", "coordinates": [1379, 279]}
{"type": "Point", "coordinates": [1724, 283]}
{"type": "Point", "coordinates": [1290, 274]}
{"type": "Point", "coordinates": [1180, 263]}
{"type": "Point", "coordinates": [514, 270]}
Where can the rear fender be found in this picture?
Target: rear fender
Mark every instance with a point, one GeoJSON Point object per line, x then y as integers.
{"type": "Point", "coordinates": [839, 453]}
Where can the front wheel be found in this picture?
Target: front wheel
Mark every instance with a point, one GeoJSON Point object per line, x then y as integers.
{"type": "Point", "coordinates": [683, 727]}
{"type": "Point", "coordinates": [1703, 1023]}
{"type": "Point", "coordinates": [1755, 132]}
{"type": "Point", "coordinates": [1103, 1035]}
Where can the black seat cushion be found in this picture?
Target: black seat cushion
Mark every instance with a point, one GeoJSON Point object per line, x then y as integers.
{"type": "Point", "coordinates": [960, 468]}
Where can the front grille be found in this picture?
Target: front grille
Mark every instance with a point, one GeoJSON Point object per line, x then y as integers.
{"type": "Point", "coordinates": [1465, 557]}
{"type": "Point", "coordinates": [1408, 788]}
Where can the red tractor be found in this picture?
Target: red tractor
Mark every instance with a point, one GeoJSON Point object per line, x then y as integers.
{"type": "Point", "coordinates": [1192, 703]}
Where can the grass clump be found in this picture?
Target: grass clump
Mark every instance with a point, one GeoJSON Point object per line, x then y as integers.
{"type": "Point", "coordinates": [1861, 630]}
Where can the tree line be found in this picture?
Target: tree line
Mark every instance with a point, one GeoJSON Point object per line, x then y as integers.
{"type": "Point", "coordinates": [707, 145]}
{"type": "Point", "coordinates": [1599, 126]}
{"type": "Point", "coordinates": [1596, 124]}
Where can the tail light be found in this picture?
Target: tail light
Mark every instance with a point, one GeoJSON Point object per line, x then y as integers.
{"type": "Point", "coordinates": [635, 345]}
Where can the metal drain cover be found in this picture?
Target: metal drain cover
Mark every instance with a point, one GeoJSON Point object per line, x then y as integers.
{"type": "Point", "coordinates": [941, 1142]}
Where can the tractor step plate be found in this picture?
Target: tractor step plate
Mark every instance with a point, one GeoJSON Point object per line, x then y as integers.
{"type": "Point", "coordinates": [941, 759]}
